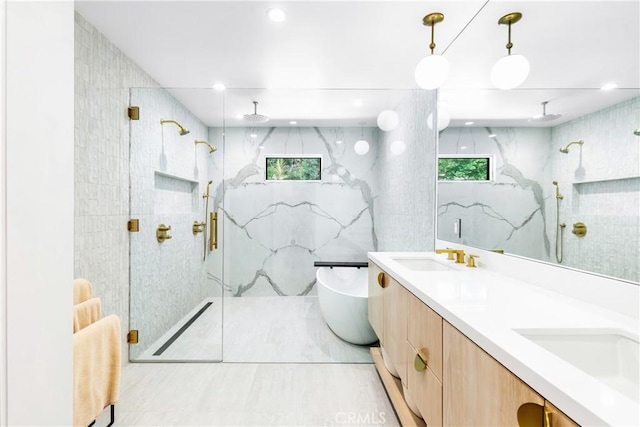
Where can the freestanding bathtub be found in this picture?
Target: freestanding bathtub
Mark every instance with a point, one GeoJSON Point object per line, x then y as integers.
{"type": "Point", "coordinates": [342, 294]}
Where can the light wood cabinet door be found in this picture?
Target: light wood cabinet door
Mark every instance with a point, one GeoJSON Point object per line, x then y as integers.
{"type": "Point", "coordinates": [556, 418]}
{"type": "Point", "coordinates": [424, 332]}
{"type": "Point", "coordinates": [478, 390]}
{"type": "Point", "coordinates": [424, 389]}
{"type": "Point", "coordinates": [375, 304]}
{"type": "Point", "coordinates": [395, 326]}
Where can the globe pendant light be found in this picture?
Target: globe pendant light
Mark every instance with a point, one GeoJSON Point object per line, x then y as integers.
{"type": "Point", "coordinates": [388, 120]}
{"type": "Point", "coordinates": [361, 146]}
{"type": "Point", "coordinates": [432, 71]}
{"type": "Point", "coordinates": [512, 70]}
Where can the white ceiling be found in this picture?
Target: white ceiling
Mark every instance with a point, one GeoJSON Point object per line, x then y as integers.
{"type": "Point", "coordinates": [367, 50]}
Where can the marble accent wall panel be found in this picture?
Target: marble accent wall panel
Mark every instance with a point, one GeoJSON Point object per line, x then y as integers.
{"type": "Point", "coordinates": [274, 231]}
{"type": "Point", "coordinates": [169, 175]}
{"type": "Point", "coordinates": [405, 181]}
{"type": "Point", "coordinates": [601, 184]}
{"type": "Point", "coordinates": [103, 75]}
{"type": "Point", "coordinates": [511, 212]}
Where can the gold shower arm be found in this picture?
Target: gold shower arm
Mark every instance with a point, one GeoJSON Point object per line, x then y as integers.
{"type": "Point", "coordinates": [183, 130]}
{"type": "Point", "coordinates": [212, 148]}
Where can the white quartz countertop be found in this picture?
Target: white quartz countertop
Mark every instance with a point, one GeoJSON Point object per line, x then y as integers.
{"type": "Point", "coordinates": [489, 308]}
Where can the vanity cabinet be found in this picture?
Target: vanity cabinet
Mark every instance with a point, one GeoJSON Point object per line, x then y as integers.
{"type": "Point", "coordinates": [387, 306]}
{"type": "Point", "coordinates": [480, 391]}
{"type": "Point", "coordinates": [424, 360]}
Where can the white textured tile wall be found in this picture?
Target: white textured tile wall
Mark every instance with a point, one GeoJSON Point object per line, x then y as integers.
{"type": "Point", "coordinates": [103, 76]}
{"type": "Point", "coordinates": [169, 175]}
{"type": "Point", "coordinates": [405, 183]}
{"type": "Point", "coordinates": [601, 185]}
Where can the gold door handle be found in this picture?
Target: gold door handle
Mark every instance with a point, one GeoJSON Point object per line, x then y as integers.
{"type": "Point", "coordinates": [161, 233]}
{"type": "Point", "coordinates": [420, 361]}
{"type": "Point", "coordinates": [382, 281]}
{"type": "Point", "coordinates": [213, 231]}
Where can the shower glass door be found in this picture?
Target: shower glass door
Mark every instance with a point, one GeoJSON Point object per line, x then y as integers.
{"type": "Point", "coordinates": [176, 267]}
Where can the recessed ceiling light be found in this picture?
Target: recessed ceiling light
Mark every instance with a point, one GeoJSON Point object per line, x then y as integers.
{"type": "Point", "coordinates": [219, 86]}
{"type": "Point", "coordinates": [338, 142]}
{"type": "Point", "coordinates": [468, 123]}
{"type": "Point", "coordinates": [277, 15]}
{"type": "Point", "coordinates": [492, 135]}
{"type": "Point", "coordinates": [609, 86]}
{"type": "Point", "coordinates": [464, 147]}
{"type": "Point", "coordinates": [253, 135]}
{"type": "Point", "coordinates": [357, 103]}
{"type": "Point", "coordinates": [293, 122]}
{"type": "Point", "coordinates": [261, 147]}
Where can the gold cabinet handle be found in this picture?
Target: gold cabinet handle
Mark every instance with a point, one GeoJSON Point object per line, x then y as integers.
{"type": "Point", "coordinates": [547, 418]}
{"type": "Point", "coordinates": [382, 281]}
{"type": "Point", "coordinates": [213, 231]}
{"type": "Point", "coordinates": [161, 233]}
{"type": "Point", "coordinates": [420, 361]}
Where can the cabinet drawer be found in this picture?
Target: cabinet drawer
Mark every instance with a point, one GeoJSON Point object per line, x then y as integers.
{"type": "Point", "coordinates": [395, 325]}
{"type": "Point", "coordinates": [424, 333]}
{"type": "Point", "coordinates": [425, 390]}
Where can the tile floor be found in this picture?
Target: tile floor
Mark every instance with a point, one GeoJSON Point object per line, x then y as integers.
{"type": "Point", "coordinates": [259, 330]}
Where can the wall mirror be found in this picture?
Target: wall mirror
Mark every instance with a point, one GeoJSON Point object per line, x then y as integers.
{"type": "Point", "coordinates": [567, 184]}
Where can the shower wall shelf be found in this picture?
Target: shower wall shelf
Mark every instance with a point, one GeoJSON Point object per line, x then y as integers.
{"type": "Point", "coordinates": [606, 180]}
{"type": "Point", "coordinates": [174, 176]}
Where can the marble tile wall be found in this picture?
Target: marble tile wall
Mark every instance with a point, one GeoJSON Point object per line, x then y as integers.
{"type": "Point", "coordinates": [169, 175]}
{"type": "Point", "coordinates": [103, 76]}
{"type": "Point", "coordinates": [511, 212]}
{"type": "Point", "coordinates": [274, 231]}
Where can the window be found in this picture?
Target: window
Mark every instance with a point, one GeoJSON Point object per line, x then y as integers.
{"type": "Point", "coordinates": [294, 168]}
{"type": "Point", "coordinates": [465, 168]}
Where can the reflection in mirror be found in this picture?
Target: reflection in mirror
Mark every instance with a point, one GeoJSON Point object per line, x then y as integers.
{"type": "Point", "coordinates": [521, 210]}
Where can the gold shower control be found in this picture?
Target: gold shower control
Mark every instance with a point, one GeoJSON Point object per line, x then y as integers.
{"type": "Point", "coordinates": [579, 229]}
{"type": "Point", "coordinates": [198, 227]}
{"type": "Point", "coordinates": [161, 233]}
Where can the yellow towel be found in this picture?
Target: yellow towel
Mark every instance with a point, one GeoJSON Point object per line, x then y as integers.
{"type": "Point", "coordinates": [82, 290]}
{"type": "Point", "coordinates": [86, 313]}
{"type": "Point", "coordinates": [96, 369]}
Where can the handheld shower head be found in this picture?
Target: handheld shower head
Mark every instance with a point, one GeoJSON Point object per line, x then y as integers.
{"type": "Point", "coordinates": [182, 130]}
{"type": "Point", "coordinates": [558, 195]}
{"type": "Point", "coordinates": [206, 194]}
{"type": "Point", "coordinates": [565, 149]}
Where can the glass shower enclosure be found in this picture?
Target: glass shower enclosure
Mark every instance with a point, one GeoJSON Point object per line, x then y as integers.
{"type": "Point", "coordinates": [176, 257]}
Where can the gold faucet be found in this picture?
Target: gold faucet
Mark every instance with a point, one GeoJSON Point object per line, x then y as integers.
{"type": "Point", "coordinates": [458, 252]}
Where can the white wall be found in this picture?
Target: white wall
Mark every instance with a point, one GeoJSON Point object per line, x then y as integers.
{"type": "Point", "coordinates": [39, 216]}
{"type": "Point", "coordinates": [3, 221]}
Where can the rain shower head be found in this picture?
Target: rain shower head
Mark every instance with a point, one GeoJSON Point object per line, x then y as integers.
{"type": "Point", "coordinates": [544, 117]}
{"type": "Point", "coordinates": [565, 149]}
{"type": "Point", "coordinates": [183, 130]}
{"type": "Point", "coordinates": [255, 117]}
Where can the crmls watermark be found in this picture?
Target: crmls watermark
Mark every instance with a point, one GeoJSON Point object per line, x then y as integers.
{"type": "Point", "coordinates": [361, 418]}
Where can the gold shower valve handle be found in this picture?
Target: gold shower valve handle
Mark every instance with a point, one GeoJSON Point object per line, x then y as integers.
{"type": "Point", "coordinates": [161, 233]}
{"type": "Point", "coordinates": [198, 227]}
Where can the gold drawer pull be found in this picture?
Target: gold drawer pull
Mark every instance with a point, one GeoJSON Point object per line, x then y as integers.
{"type": "Point", "coordinates": [420, 361]}
{"type": "Point", "coordinates": [382, 280]}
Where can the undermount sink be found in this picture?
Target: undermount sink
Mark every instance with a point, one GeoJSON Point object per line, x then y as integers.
{"type": "Point", "coordinates": [422, 264]}
{"type": "Point", "coordinates": [611, 356]}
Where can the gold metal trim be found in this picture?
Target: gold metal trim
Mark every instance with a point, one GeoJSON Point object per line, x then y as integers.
{"type": "Point", "coordinates": [132, 336]}
{"type": "Point", "coordinates": [213, 231]}
{"type": "Point", "coordinates": [471, 261]}
{"type": "Point", "coordinates": [498, 251]}
{"type": "Point", "coordinates": [133, 225]}
{"type": "Point", "coordinates": [420, 361]}
{"type": "Point", "coordinates": [579, 229]}
{"type": "Point", "coordinates": [134, 112]}
{"type": "Point", "coordinates": [198, 227]}
{"type": "Point", "coordinates": [161, 233]}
